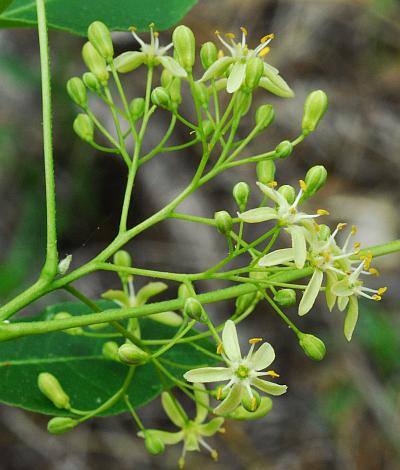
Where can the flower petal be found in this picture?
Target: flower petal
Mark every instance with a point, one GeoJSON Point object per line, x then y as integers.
{"type": "Point", "coordinates": [260, 214]}
{"type": "Point", "coordinates": [277, 257]}
{"type": "Point", "coordinates": [202, 402]}
{"type": "Point", "coordinates": [263, 357]}
{"type": "Point", "coordinates": [236, 77]}
{"type": "Point", "coordinates": [167, 318]}
{"type": "Point", "coordinates": [351, 317]}
{"type": "Point", "coordinates": [230, 341]}
{"type": "Point", "coordinates": [149, 290]}
{"type": "Point", "coordinates": [170, 64]}
{"type": "Point", "coordinates": [269, 387]}
{"type": "Point", "coordinates": [342, 303]}
{"type": "Point", "coordinates": [208, 374]}
{"type": "Point", "coordinates": [210, 428]}
{"type": "Point", "coordinates": [231, 402]}
{"type": "Point", "coordinates": [168, 438]}
{"type": "Point", "coordinates": [217, 68]}
{"type": "Point", "coordinates": [329, 294]}
{"type": "Point", "coordinates": [342, 288]}
{"type": "Point", "coordinates": [275, 196]}
{"type": "Point", "coordinates": [298, 245]}
{"type": "Point", "coordinates": [174, 410]}
{"type": "Point", "coordinates": [311, 292]}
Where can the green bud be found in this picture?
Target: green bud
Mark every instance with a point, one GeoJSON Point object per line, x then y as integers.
{"type": "Point", "coordinates": [76, 331]}
{"type": "Point", "coordinates": [265, 114]}
{"type": "Point", "coordinates": [242, 103]}
{"type": "Point", "coordinates": [91, 82]}
{"type": "Point", "coordinates": [208, 129]}
{"type": "Point", "coordinates": [77, 91]}
{"type": "Point", "coordinates": [313, 347]}
{"type": "Point", "coordinates": [64, 265]}
{"type": "Point", "coordinates": [61, 425]}
{"type": "Point", "coordinates": [202, 94]}
{"type": "Point", "coordinates": [285, 297]}
{"type": "Point", "coordinates": [51, 388]}
{"type": "Point", "coordinates": [95, 62]}
{"type": "Point", "coordinates": [315, 107]}
{"type": "Point", "coordinates": [324, 232]}
{"type": "Point", "coordinates": [315, 178]}
{"type": "Point", "coordinates": [122, 258]}
{"type": "Point", "coordinates": [284, 149]}
{"type": "Point", "coordinates": [110, 350]}
{"type": "Point", "coordinates": [150, 290]}
{"type": "Point", "coordinates": [167, 318]}
{"type": "Point", "coordinates": [166, 78]}
{"type": "Point", "coordinates": [221, 84]}
{"type": "Point", "coordinates": [131, 354]}
{"type": "Point", "coordinates": [223, 222]}
{"type": "Point", "coordinates": [251, 404]}
{"type": "Point", "coordinates": [100, 37]}
{"type": "Point", "coordinates": [194, 309]}
{"type": "Point", "coordinates": [175, 92]}
{"type": "Point", "coordinates": [160, 97]}
{"type": "Point", "coordinates": [208, 54]}
{"type": "Point", "coordinates": [136, 108]}
{"type": "Point", "coordinates": [154, 445]}
{"type": "Point", "coordinates": [219, 393]}
{"type": "Point", "coordinates": [184, 46]}
{"type": "Point", "coordinates": [254, 72]}
{"type": "Point", "coordinates": [128, 61]}
{"type": "Point", "coordinates": [83, 127]}
{"type": "Point", "coordinates": [274, 83]}
{"type": "Point", "coordinates": [243, 302]}
{"type": "Point", "coordinates": [242, 414]}
{"type": "Point", "coordinates": [241, 193]}
{"type": "Point", "coordinates": [266, 171]}
{"type": "Point", "coordinates": [288, 192]}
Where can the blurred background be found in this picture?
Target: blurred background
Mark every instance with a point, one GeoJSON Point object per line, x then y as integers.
{"type": "Point", "coordinates": [342, 413]}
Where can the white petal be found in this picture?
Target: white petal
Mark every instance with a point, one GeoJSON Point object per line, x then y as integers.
{"type": "Point", "coordinates": [351, 317]}
{"type": "Point", "coordinates": [277, 257]}
{"type": "Point", "coordinates": [168, 438]}
{"type": "Point", "coordinates": [236, 77]}
{"type": "Point", "coordinates": [202, 402]}
{"type": "Point", "coordinates": [342, 302]}
{"type": "Point", "coordinates": [174, 410]}
{"type": "Point", "coordinates": [217, 68]}
{"type": "Point", "coordinates": [231, 402]}
{"type": "Point", "coordinates": [260, 214]}
{"type": "Point", "coordinates": [269, 387]}
{"type": "Point", "coordinates": [329, 294]}
{"type": "Point", "coordinates": [263, 357]}
{"type": "Point", "coordinates": [210, 428]}
{"type": "Point", "coordinates": [274, 195]}
{"type": "Point", "coordinates": [208, 374]}
{"type": "Point", "coordinates": [172, 66]}
{"type": "Point", "coordinates": [311, 292]}
{"type": "Point", "coordinates": [230, 341]}
{"type": "Point", "coordinates": [342, 289]}
{"type": "Point", "coordinates": [298, 245]}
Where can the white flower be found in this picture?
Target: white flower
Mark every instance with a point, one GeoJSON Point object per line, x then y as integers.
{"type": "Point", "coordinates": [192, 432]}
{"type": "Point", "coordinates": [242, 373]}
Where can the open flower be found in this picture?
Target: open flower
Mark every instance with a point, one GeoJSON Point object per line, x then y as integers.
{"type": "Point", "coordinates": [296, 223]}
{"type": "Point", "coordinates": [242, 373]}
{"type": "Point", "coordinates": [192, 432]}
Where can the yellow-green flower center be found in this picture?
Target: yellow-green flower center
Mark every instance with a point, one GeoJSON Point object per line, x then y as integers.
{"type": "Point", "coordinates": [242, 372]}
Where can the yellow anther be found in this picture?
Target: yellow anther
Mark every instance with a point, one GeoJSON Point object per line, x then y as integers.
{"type": "Point", "coordinates": [220, 348]}
{"type": "Point", "coordinates": [303, 185]}
{"type": "Point", "coordinates": [353, 230]}
{"type": "Point", "coordinates": [214, 455]}
{"type": "Point", "coordinates": [151, 25]}
{"type": "Point", "coordinates": [267, 38]}
{"type": "Point", "coordinates": [357, 245]}
{"type": "Point", "coordinates": [367, 260]}
{"type": "Point", "coordinates": [220, 54]}
{"type": "Point", "coordinates": [273, 374]}
{"type": "Point", "coordinates": [219, 393]}
{"type": "Point", "coordinates": [253, 404]}
{"type": "Point", "coordinates": [132, 29]}
{"type": "Point", "coordinates": [374, 271]}
{"type": "Point", "coordinates": [243, 30]}
{"type": "Point", "coordinates": [341, 226]}
{"type": "Point", "coordinates": [322, 212]}
{"type": "Point", "coordinates": [222, 430]}
{"type": "Point", "coordinates": [382, 290]}
{"type": "Point", "coordinates": [255, 340]}
{"type": "Point", "coordinates": [377, 297]}
{"type": "Point", "coordinates": [181, 463]}
{"type": "Point", "coordinates": [327, 256]}
{"type": "Point", "coordinates": [273, 184]}
{"type": "Point", "coordinates": [156, 34]}
{"type": "Point", "coordinates": [264, 52]}
{"type": "Point", "coordinates": [230, 35]}
{"type": "Point", "coordinates": [293, 210]}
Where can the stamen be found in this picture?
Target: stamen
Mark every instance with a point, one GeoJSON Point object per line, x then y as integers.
{"type": "Point", "coordinates": [156, 34]}
{"type": "Point", "coordinates": [272, 373]}
{"type": "Point", "coordinates": [273, 184]}
{"type": "Point", "coordinates": [374, 271]}
{"type": "Point", "coordinates": [132, 29]}
{"type": "Point", "coordinates": [230, 35]}
{"type": "Point", "coordinates": [253, 404]}
{"type": "Point", "coordinates": [220, 54]}
{"type": "Point", "coordinates": [243, 30]}
{"type": "Point", "coordinates": [322, 212]}
{"type": "Point", "coordinates": [303, 185]}
{"type": "Point", "coordinates": [254, 340]}
{"type": "Point", "coordinates": [377, 297]}
{"type": "Point", "coordinates": [220, 348]}
{"type": "Point", "coordinates": [266, 38]}
{"type": "Point", "coordinates": [341, 226]}
{"type": "Point", "coordinates": [222, 430]}
{"type": "Point", "coordinates": [219, 393]}
{"type": "Point", "coordinates": [382, 290]}
{"type": "Point", "coordinates": [357, 245]}
{"type": "Point", "coordinates": [353, 230]}
{"type": "Point", "coordinates": [214, 455]}
{"type": "Point", "coordinates": [264, 52]}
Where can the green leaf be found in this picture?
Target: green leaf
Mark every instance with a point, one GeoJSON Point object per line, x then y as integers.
{"type": "Point", "coordinates": [75, 16]}
{"type": "Point", "coordinates": [4, 4]}
{"type": "Point", "coordinates": [86, 376]}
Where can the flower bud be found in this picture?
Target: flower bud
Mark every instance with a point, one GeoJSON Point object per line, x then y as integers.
{"type": "Point", "coordinates": [254, 71]}
{"type": "Point", "coordinates": [167, 318]}
{"type": "Point", "coordinates": [122, 258]}
{"type": "Point", "coordinates": [150, 290]}
{"type": "Point", "coordinates": [110, 350]}
{"type": "Point", "coordinates": [175, 92]}
{"type": "Point", "coordinates": [274, 83]}
{"type": "Point", "coordinates": [242, 414]}
{"type": "Point", "coordinates": [95, 62]}
{"type": "Point", "coordinates": [288, 192]}
{"type": "Point", "coordinates": [208, 54]}
{"type": "Point", "coordinates": [51, 388]}
{"type": "Point", "coordinates": [284, 149]}
{"type": "Point", "coordinates": [60, 425]}
{"type": "Point", "coordinates": [315, 178]}
{"type": "Point", "coordinates": [184, 46]}
{"type": "Point", "coordinates": [242, 103]}
{"type": "Point", "coordinates": [160, 97]}
{"type": "Point", "coordinates": [183, 292]}
{"type": "Point", "coordinates": [315, 107]}
{"type": "Point", "coordinates": [154, 445]}
{"type": "Point", "coordinates": [194, 309]}
{"type": "Point", "coordinates": [136, 108]}
{"type": "Point", "coordinates": [131, 354]}
{"type": "Point", "coordinates": [223, 222]}
{"type": "Point", "coordinates": [324, 232]}
{"type": "Point", "coordinates": [266, 171]}
{"type": "Point", "coordinates": [128, 61]}
{"type": "Point", "coordinates": [241, 193]}
{"type": "Point", "coordinates": [220, 392]}
{"type": "Point", "coordinates": [265, 114]}
{"type": "Point", "coordinates": [201, 92]}
{"type": "Point", "coordinates": [76, 331]}
{"type": "Point", "coordinates": [91, 82]}
{"type": "Point", "coordinates": [251, 404]}
{"type": "Point", "coordinates": [83, 127]}
{"type": "Point", "coordinates": [100, 37]}
{"type": "Point", "coordinates": [243, 302]}
{"type": "Point", "coordinates": [77, 91]}
{"type": "Point", "coordinates": [166, 78]}
{"type": "Point", "coordinates": [64, 265]}
{"type": "Point", "coordinates": [208, 129]}
{"type": "Point", "coordinates": [285, 297]}
{"type": "Point", "coordinates": [313, 347]}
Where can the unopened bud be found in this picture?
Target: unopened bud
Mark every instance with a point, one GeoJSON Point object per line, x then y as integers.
{"type": "Point", "coordinates": [131, 354]}
{"type": "Point", "coordinates": [264, 116]}
{"type": "Point", "coordinates": [122, 258]}
{"type": "Point", "coordinates": [243, 302]}
{"type": "Point", "coordinates": [95, 62]}
{"type": "Point", "coordinates": [64, 265]}
{"type": "Point", "coordinates": [254, 71]}
{"type": "Point", "coordinates": [241, 193]}
{"type": "Point", "coordinates": [313, 347]}
{"type": "Point", "coordinates": [194, 309]}
{"type": "Point", "coordinates": [136, 108]}
{"type": "Point", "coordinates": [223, 222]}
{"type": "Point", "coordinates": [285, 297]}
{"type": "Point", "coordinates": [160, 97]}
{"type": "Point", "coordinates": [174, 91]}
{"type": "Point", "coordinates": [60, 425]}
{"type": "Point", "coordinates": [110, 350]}
{"type": "Point", "coordinates": [128, 61]}
{"type": "Point", "coordinates": [166, 78]}
{"type": "Point", "coordinates": [150, 290]}
{"type": "Point", "coordinates": [274, 83]}
{"type": "Point", "coordinates": [51, 388]}
{"type": "Point", "coordinates": [154, 445]}
{"type": "Point", "coordinates": [284, 149]}
{"type": "Point", "coordinates": [167, 318]}
{"type": "Point", "coordinates": [242, 414]}
{"type": "Point", "coordinates": [315, 107]}
{"type": "Point", "coordinates": [315, 178]}
{"type": "Point", "coordinates": [77, 91]}
{"type": "Point", "coordinates": [201, 92]}
{"type": "Point", "coordinates": [100, 37]}
{"type": "Point", "coordinates": [91, 82]}
{"type": "Point", "coordinates": [83, 127]}
{"type": "Point", "coordinates": [251, 404]}
{"type": "Point", "coordinates": [266, 171]}
{"type": "Point", "coordinates": [183, 292]}
{"type": "Point", "coordinates": [75, 331]}
{"type": "Point", "coordinates": [288, 192]}
{"type": "Point", "coordinates": [208, 54]}
{"type": "Point", "coordinates": [242, 103]}
{"type": "Point", "coordinates": [208, 129]}
{"type": "Point", "coordinates": [184, 46]}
